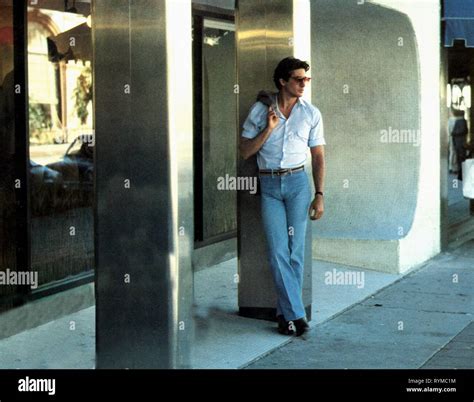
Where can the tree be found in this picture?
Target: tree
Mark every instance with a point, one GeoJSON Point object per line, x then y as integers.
{"type": "Point", "coordinates": [83, 94]}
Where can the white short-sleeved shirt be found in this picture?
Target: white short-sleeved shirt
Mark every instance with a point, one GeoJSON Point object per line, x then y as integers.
{"type": "Point", "coordinates": [287, 145]}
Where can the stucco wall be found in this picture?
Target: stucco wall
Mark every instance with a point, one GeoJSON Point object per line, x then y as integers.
{"type": "Point", "coordinates": [375, 71]}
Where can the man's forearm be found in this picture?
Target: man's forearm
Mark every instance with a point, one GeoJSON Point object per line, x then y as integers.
{"type": "Point", "coordinates": [318, 167]}
{"type": "Point", "coordinates": [250, 147]}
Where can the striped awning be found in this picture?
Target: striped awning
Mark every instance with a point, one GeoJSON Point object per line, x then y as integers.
{"type": "Point", "coordinates": [459, 19]}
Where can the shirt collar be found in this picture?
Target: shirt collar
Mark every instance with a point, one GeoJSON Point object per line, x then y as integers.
{"type": "Point", "coordinates": [300, 99]}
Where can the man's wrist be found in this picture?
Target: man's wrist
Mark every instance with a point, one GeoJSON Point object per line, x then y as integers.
{"type": "Point", "coordinates": [268, 130]}
{"type": "Point", "coordinates": [318, 192]}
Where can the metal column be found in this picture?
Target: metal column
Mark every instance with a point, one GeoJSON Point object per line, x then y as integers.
{"type": "Point", "coordinates": [144, 206]}
{"type": "Point", "coordinates": [265, 35]}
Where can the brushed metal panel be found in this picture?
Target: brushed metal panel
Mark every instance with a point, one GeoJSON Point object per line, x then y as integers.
{"type": "Point", "coordinates": [180, 145]}
{"type": "Point", "coordinates": [143, 264]}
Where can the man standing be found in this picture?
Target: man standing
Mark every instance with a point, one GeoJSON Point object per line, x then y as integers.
{"type": "Point", "coordinates": [280, 135]}
{"type": "Point", "coordinates": [457, 127]}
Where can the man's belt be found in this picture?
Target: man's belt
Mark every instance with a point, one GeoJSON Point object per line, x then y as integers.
{"type": "Point", "coordinates": [280, 172]}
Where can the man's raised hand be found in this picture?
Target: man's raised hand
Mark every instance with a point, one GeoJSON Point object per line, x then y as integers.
{"type": "Point", "coordinates": [272, 118]}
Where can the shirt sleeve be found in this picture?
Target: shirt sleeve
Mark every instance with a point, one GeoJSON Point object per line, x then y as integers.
{"type": "Point", "coordinates": [316, 134]}
{"type": "Point", "coordinates": [255, 121]}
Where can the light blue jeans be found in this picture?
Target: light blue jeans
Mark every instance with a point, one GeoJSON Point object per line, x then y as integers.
{"type": "Point", "coordinates": [285, 205]}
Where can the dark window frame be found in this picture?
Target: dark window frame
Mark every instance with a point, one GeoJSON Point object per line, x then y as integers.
{"type": "Point", "coordinates": [22, 212]}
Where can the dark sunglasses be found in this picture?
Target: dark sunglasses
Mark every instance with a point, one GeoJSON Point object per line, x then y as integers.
{"type": "Point", "coordinates": [302, 79]}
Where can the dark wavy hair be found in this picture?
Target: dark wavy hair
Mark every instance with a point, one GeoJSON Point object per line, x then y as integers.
{"type": "Point", "coordinates": [285, 67]}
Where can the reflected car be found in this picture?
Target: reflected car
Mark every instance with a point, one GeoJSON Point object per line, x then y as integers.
{"type": "Point", "coordinates": [45, 183]}
{"type": "Point", "coordinates": [77, 165]}
{"type": "Point", "coordinates": [42, 175]}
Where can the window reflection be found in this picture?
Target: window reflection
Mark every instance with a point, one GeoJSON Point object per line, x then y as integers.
{"type": "Point", "coordinates": [61, 142]}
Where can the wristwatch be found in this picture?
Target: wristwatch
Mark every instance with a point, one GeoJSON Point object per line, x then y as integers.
{"type": "Point", "coordinates": [319, 192]}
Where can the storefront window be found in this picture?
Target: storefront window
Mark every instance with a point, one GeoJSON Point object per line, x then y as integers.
{"type": "Point", "coordinates": [61, 143]}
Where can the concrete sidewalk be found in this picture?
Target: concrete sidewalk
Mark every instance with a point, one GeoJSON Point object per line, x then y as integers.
{"type": "Point", "coordinates": [424, 320]}
{"type": "Point", "coordinates": [226, 340]}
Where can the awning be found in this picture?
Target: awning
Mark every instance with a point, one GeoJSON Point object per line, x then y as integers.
{"type": "Point", "coordinates": [75, 44]}
{"type": "Point", "coordinates": [459, 18]}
